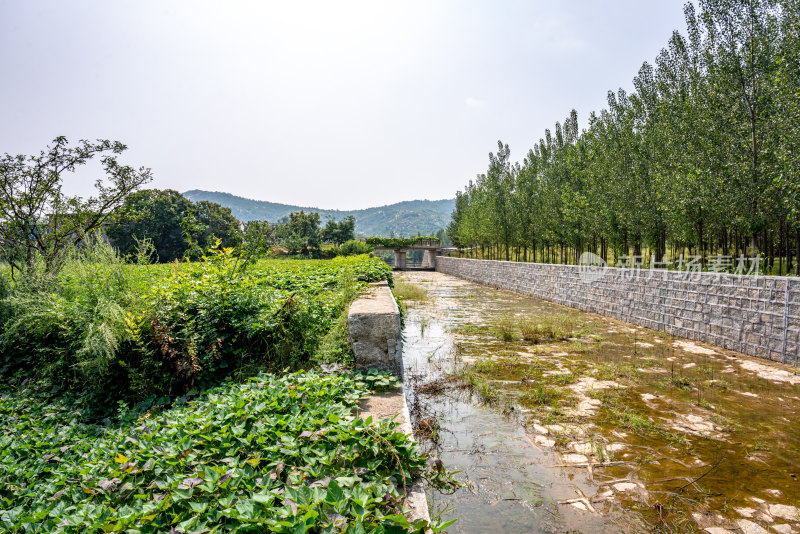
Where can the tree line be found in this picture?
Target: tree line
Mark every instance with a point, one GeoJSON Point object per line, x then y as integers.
{"type": "Point", "coordinates": [178, 227]}
{"type": "Point", "coordinates": [702, 158]}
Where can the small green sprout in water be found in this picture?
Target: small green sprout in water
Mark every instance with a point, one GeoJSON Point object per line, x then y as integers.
{"type": "Point", "coordinates": [681, 382]}
{"type": "Point", "coordinates": [507, 328]}
{"type": "Point", "coordinates": [539, 396]}
{"type": "Point", "coordinates": [485, 366]}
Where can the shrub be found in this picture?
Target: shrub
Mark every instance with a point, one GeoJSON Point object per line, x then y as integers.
{"type": "Point", "coordinates": [71, 329]}
{"type": "Point", "coordinates": [111, 330]}
{"type": "Point", "coordinates": [353, 247]}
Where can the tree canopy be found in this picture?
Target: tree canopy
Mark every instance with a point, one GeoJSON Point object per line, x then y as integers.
{"type": "Point", "coordinates": [339, 232]}
{"type": "Point", "coordinates": [156, 215]}
{"type": "Point", "coordinates": [38, 221]}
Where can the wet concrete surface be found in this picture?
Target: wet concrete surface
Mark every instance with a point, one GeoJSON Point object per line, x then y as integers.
{"type": "Point", "coordinates": [564, 421]}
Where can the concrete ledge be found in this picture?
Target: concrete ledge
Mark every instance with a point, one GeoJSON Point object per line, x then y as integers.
{"type": "Point", "coordinates": [373, 326]}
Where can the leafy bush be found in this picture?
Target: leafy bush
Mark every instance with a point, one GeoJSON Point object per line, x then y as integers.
{"type": "Point", "coordinates": [112, 330]}
{"type": "Point", "coordinates": [71, 329]}
{"type": "Point", "coordinates": [353, 247]}
{"type": "Point", "coordinates": [272, 454]}
{"type": "Point", "coordinates": [5, 291]}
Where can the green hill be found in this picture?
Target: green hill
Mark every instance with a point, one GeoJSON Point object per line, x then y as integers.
{"type": "Point", "coordinates": [407, 218]}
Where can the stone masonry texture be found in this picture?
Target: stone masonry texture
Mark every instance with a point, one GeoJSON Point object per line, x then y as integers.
{"type": "Point", "coordinates": [373, 326]}
{"type": "Point", "coordinates": [755, 315]}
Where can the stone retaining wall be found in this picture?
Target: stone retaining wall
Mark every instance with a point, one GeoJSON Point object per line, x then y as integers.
{"type": "Point", "coordinates": [373, 326]}
{"type": "Point", "coordinates": [759, 316]}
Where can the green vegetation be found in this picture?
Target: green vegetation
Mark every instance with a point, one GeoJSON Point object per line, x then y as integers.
{"type": "Point", "coordinates": [540, 396]}
{"type": "Point", "coordinates": [409, 291]}
{"type": "Point", "coordinates": [38, 222]}
{"type": "Point", "coordinates": [300, 234]}
{"type": "Point", "coordinates": [398, 242]}
{"type": "Point", "coordinates": [339, 232]}
{"type": "Point", "coordinates": [111, 330]}
{"type": "Point", "coordinates": [175, 226]}
{"type": "Point", "coordinates": [160, 217]}
{"type": "Point", "coordinates": [353, 247]}
{"type": "Point", "coordinates": [535, 329]}
{"type": "Point", "coordinates": [507, 328]}
{"type": "Point", "coordinates": [404, 218]}
{"type": "Point", "coordinates": [701, 159]}
{"type": "Point", "coordinates": [283, 454]}
{"type": "Point", "coordinates": [137, 398]}
{"type": "Point", "coordinates": [178, 228]}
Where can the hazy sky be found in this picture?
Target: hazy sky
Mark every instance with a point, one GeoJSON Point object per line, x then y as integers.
{"type": "Point", "coordinates": [333, 104]}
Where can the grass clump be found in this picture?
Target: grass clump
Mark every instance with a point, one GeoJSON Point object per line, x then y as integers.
{"type": "Point", "coordinates": [534, 329]}
{"type": "Point", "coordinates": [278, 454]}
{"type": "Point", "coordinates": [409, 291]}
{"type": "Point", "coordinates": [506, 328]}
{"type": "Point", "coordinates": [632, 421]}
{"type": "Point", "coordinates": [480, 386]}
{"type": "Point", "coordinates": [680, 382]}
{"type": "Point", "coordinates": [486, 366]}
{"type": "Point", "coordinates": [540, 396]}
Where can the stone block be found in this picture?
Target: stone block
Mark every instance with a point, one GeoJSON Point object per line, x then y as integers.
{"type": "Point", "coordinates": [373, 325]}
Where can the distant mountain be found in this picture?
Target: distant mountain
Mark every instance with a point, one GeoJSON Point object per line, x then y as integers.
{"type": "Point", "coordinates": [407, 218]}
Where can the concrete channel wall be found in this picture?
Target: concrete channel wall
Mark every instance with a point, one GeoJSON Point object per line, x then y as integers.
{"type": "Point", "coordinates": [756, 315]}
{"type": "Point", "coordinates": [373, 326]}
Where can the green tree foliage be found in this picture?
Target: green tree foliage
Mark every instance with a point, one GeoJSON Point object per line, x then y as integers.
{"type": "Point", "coordinates": [173, 224]}
{"type": "Point", "coordinates": [301, 233]}
{"type": "Point", "coordinates": [259, 237]}
{"type": "Point", "coordinates": [353, 247]}
{"type": "Point", "coordinates": [701, 158]}
{"type": "Point", "coordinates": [37, 220]}
{"type": "Point", "coordinates": [156, 215]}
{"type": "Point", "coordinates": [217, 223]}
{"type": "Point", "coordinates": [339, 232]}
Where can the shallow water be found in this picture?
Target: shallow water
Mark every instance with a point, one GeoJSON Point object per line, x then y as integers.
{"type": "Point", "coordinates": [612, 428]}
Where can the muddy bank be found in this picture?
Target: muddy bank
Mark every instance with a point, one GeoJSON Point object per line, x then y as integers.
{"type": "Point", "coordinates": [607, 427]}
